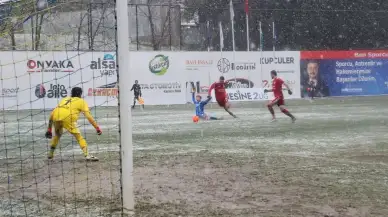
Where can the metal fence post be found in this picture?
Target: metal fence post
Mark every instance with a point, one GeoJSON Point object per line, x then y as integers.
{"type": "Point", "coordinates": [137, 27]}
{"type": "Point", "coordinates": [169, 24]}
{"type": "Point", "coordinates": [180, 27]}
{"type": "Point", "coordinates": [90, 26]}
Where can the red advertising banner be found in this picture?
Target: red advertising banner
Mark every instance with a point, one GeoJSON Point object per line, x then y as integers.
{"type": "Point", "coordinates": [352, 54]}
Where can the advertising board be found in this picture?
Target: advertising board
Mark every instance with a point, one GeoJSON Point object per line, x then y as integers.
{"type": "Point", "coordinates": [39, 80]}
{"type": "Point", "coordinates": [344, 73]}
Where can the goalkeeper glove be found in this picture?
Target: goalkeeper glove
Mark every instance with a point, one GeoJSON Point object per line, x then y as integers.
{"type": "Point", "coordinates": [48, 134]}
{"type": "Point", "coordinates": [99, 132]}
{"type": "Point", "coordinates": [209, 97]}
{"type": "Point", "coordinates": [266, 91]}
{"type": "Point", "coordinates": [290, 92]}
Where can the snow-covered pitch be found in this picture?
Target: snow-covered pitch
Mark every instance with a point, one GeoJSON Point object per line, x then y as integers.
{"type": "Point", "coordinates": [333, 161]}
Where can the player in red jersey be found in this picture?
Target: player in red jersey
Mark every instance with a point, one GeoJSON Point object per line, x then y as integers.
{"type": "Point", "coordinates": [277, 84]}
{"type": "Point", "coordinates": [221, 95]}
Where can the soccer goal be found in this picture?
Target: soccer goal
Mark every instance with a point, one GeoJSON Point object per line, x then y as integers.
{"type": "Point", "coordinates": [50, 166]}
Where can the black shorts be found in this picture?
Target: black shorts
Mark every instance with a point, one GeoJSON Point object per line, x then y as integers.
{"type": "Point", "coordinates": [137, 97]}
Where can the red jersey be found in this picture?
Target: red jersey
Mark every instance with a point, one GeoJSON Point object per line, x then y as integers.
{"type": "Point", "coordinates": [219, 89]}
{"type": "Point", "coordinates": [277, 87]}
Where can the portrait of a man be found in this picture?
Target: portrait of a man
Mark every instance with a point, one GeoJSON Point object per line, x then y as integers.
{"type": "Point", "coordinates": [312, 84]}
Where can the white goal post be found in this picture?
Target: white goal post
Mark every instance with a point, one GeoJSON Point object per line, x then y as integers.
{"type": "Point", "coordinates": [125, 130]}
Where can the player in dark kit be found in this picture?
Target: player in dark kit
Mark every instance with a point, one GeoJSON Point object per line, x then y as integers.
{"type": "Point", "coordinates": [137, 92]}
{"type": "Point", "coordinates": [277, 90]}
{"type": "Point", "coordinates": [221, 95]}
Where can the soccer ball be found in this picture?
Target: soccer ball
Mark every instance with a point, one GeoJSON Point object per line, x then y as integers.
{"type": "Point", "coordinates": [195, 119]}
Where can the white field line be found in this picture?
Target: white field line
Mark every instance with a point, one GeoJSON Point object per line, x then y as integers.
{"type": "Point", "coordinates": [248, 152]}
{"type": "Point", "coordinates": [106, 147]}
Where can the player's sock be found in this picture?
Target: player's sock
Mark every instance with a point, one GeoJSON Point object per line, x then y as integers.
{"type": "Point", "coordinates": [54, 143]}
{"type": "Point", "coordinates": [82, 143]}
{"type": "Point", "coordinates": [286, 112]}
{"type": "Point", "coordinates": [231, 113]}
{"type": "Point", "coordinates": [51, 153]}
{"type": "Point", "coordinates": [134, 103]}
{"type": "Point", "coordinates": [270, 108]}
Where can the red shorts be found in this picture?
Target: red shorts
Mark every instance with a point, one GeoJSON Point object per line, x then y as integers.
{"type": "Point", "coordinates": [222, 101]}
{"type": "Point", "coordinates": [280, 101]}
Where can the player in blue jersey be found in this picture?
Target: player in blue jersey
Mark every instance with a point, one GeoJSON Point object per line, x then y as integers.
{"type": "Point", "coordinates": [200, 107]}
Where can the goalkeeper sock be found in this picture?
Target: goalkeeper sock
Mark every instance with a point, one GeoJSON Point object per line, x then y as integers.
{"type": "Point", "coordinates": [54, 142]}
{"type": "Point", "coordinates": [82, 143]}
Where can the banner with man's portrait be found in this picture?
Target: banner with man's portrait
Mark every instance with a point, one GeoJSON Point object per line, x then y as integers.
{"type": "Point", "coordinates": [343, 73]}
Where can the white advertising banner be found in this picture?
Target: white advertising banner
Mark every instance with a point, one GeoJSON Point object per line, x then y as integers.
{"type": "Point", "coordinates": [102, 89]}
{"type": "Point", "coordinates": [245, 94]}
{"type": "Point", "coordinates": [287, 65]}
{"type": "Point", "coordinates": [160, 75]}
{"type": "Point", "coordinates": [242, 70]}
{"type": "Point", "coordinates": [39, 80]}
{"type": "Point", "coordinates": [201, 69]}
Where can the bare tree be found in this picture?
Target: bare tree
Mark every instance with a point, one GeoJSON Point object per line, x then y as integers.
{"type": "Point", "coordinates": [7, 29]}
{"type": "Point", "coordinates": [94, 19]}
{"type": "Point", "coordinates": [38, 29]}
{"type": "Point", "coordinates": [94, 32]}
{"type": "Point", "coordinates": [79, 32]}
{"type": "Point", "coordinates": [158, 36]}
{"type": "Point", "coordinates": [155, 45]}
{"type": "Point", "coordinates": [12, 19]}
{"type": "Point", "coordinates": [15, 14]}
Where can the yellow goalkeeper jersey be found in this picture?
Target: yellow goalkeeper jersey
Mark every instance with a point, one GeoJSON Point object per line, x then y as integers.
{"type": "Point", "coordinates": [69, 109]}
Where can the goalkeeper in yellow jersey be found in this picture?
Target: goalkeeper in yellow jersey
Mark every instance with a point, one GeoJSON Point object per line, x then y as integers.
{"type": "Point", "coordinates": [65, 116]}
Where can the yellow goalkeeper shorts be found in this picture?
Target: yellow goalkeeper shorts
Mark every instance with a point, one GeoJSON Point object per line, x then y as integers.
{"type": "Point", "coordinates": [71, 127]}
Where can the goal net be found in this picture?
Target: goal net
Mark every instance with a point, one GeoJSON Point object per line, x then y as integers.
{"type": "Point", "coordinates": [49, 47]}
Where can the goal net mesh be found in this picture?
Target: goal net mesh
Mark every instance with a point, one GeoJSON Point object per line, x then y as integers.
{"type": "Point", "coordinates": [47, 48]}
